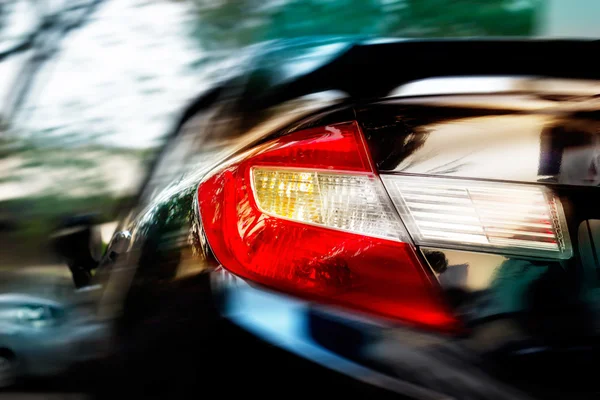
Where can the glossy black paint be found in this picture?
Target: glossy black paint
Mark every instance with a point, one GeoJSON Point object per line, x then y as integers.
{"type": "Point", "coordinates": [545, 143]}
{"type": "Point", "coordinates": [367, 69]}
{"type": "Point", "coordinates": [531, 324]}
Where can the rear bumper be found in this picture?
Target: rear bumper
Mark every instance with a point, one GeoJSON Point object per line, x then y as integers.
{"type": "Point", "coordinates": [400, 361]}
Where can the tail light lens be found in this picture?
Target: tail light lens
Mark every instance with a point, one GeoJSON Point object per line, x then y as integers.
{"type": "Point", "coordinates": [307, 214]}
{"type": "Point", "coordinates": [491, 216]}
{"type": "Point", "coordinates": [350, 202]}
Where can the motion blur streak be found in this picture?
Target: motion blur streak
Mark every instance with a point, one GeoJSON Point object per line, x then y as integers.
{"type": "Point", "coordinates": [262, 198]}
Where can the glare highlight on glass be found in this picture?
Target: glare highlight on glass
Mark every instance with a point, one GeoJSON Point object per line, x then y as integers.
{"type": "Point", "coordinates": [518, 218]}
{"type": "Point", "coordinates": [349, 202]}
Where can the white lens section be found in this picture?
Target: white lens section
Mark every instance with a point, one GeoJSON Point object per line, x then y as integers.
{"type": "Point", "coordinates": [355, 203]}
{"type": "Point", "coordinates": [515, 218]}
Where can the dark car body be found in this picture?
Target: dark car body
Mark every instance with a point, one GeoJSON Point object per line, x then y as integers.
{"type": "Point", "coordinates": [529, 324]}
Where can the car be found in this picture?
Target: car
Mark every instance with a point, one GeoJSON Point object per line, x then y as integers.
{"type": "Point", "coordinates": [41, 337]}
{"type": "Point", "coordinates": [359, 217]}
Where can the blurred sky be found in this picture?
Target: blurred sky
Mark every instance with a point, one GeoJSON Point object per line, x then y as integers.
{"type": "Point", "coordinates": [570, 18]}
{"type": "Point", "coordinates": [121, 77]}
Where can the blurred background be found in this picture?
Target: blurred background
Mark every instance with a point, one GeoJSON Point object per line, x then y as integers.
{"type": "Point", "coordinates": [89, 89]}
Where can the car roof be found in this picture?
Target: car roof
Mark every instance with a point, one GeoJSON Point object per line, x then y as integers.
{"type": "Point", "coordinates": [371, 68]}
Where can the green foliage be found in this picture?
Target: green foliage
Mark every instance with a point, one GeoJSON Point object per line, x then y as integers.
{"type": "Point", "coordinates": [328, 18]}
{"type": "Point", "coordinates": [38, 216]}
{"type": "Point", "coordinates": [472, 18]}
{"type": "Point", "coordinates": [34, 219]}
{"type": "Point", "coordinates": [76, 184]}
{"type": "Point", "coordinates": [235, 23]}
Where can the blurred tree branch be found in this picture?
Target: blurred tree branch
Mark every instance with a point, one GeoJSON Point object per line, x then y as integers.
{"type": "Point", "coordinates": [55, 21]}
{"type": "Point", "coordinates": [19, 47]}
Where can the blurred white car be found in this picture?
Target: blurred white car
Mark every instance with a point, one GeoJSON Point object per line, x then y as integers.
{"type": "Point", "coordinates": [42, 337]}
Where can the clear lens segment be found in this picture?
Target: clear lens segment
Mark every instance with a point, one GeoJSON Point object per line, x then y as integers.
{"type": "Point", "coordinates": [350, 202]}
{"type": "Point", "coordinates": [488, 215]}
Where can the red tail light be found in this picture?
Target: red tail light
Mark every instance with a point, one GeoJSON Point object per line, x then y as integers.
{"type": "Point", "coordinates": [306, 214]}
